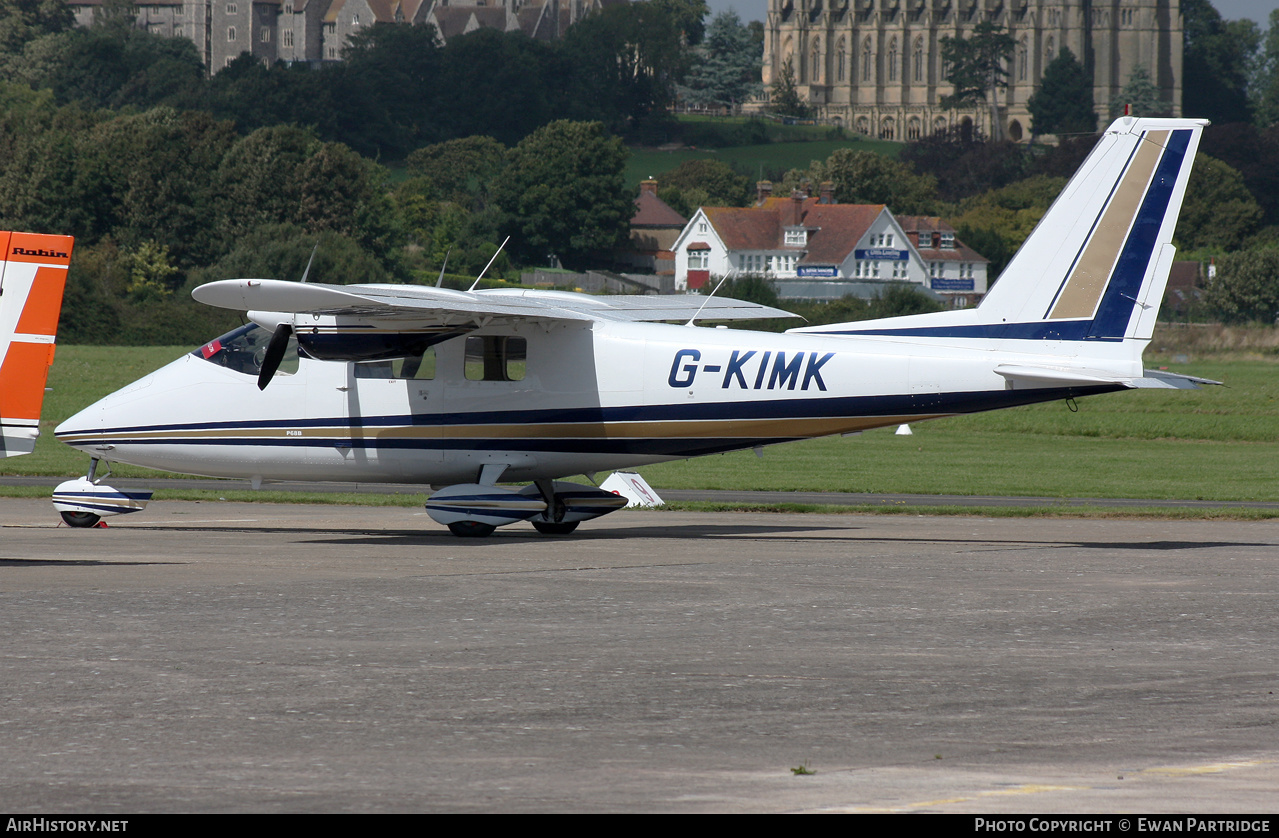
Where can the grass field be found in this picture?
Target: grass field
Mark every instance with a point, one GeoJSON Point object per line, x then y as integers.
{"type": "Point", "coordinates": [752, 159]}
{"type": "Point", "coordinates": [1220, 443]}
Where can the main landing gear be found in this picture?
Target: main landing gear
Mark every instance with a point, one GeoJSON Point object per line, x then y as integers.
{"type": "Point", "coordinates": [553, 507]}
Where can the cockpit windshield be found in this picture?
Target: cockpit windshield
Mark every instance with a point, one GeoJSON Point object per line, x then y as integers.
{"type": "Point", "coordinates": [243, 349]}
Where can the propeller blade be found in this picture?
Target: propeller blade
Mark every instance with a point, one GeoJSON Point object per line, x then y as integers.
{"type": "Point", "coordinates": [274, 354]}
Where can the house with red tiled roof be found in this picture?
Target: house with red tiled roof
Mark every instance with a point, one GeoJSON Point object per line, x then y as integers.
{"type": "Point", "coordinates": [813, 248]}
{"type": "Point", "coordinates": [654, 229]}
{"type": "Point", "coordinates": [954, 268]}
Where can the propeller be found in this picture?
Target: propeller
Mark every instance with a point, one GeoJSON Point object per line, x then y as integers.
{"type": "Point", "coordinates": [274, 354]}
{"type": "Point", "coordinates": [280, 338]}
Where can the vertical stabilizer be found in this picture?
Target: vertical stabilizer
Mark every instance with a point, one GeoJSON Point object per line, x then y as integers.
{"type": "Point", "coordinates": [1098, 261]}
{"type": "Point", "coordinates": [32, 277]}
{"type": "Point", "coordinates": [1095, 267]}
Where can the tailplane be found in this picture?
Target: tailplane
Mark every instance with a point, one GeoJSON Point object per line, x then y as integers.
{"type": "Point", "coordinates": [1096, 266]}
{"type": "Point", "coordinates": [32, 277]}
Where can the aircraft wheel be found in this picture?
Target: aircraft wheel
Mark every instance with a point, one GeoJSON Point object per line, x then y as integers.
{"type": "Point", "coordinates": [471, 529]}
{"type": "Point", "coordinates": [80, 519]}
{"type": "Point", "coordinates": [552, 528]}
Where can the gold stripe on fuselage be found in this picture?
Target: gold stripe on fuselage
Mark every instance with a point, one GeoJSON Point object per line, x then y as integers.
{"type": "Point", "coordinates": [788, 428]}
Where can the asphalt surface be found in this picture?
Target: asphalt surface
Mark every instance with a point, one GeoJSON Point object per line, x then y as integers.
{"type": "Point", "coordinates": [288, 658]}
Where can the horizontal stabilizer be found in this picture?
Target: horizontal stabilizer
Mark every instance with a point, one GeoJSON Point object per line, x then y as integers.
{"type": "Point", "coordinates": [1028, 376]}
{"type": "Point", "coordinates": [1162, 379]}
{"type": "Point", "coordinates": [1053, 377]}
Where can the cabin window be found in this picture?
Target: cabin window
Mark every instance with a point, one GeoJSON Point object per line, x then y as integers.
{"type": "Point", "coordinates": [243, 350]}
{"type": "Point", "coordinates": [496, 358]}
{"type": "Point", "coordinates": [413, 368]}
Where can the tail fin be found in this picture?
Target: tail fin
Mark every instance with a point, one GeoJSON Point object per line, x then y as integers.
{"type": "Point", "coordinates": [1096, 266]}
{"type": "Point", "coordinates": [1104, 247]}
{"type": "Point", "coordinates": [32, 277]}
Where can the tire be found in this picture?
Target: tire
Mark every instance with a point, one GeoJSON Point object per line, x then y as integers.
{"type": "Point", "coordinates": [471, 529]}
{"type": "Point", "coordinates": [80, 519]}
{"type": "Point", "coordinates": [551, 528]}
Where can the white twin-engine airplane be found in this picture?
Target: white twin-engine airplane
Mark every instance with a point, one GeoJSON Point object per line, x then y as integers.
{"type": "Point", "coordinates": [462, 390]}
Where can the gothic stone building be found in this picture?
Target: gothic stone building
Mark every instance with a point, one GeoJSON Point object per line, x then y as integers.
{"type": "Point", "coordinates": [315, 31]}
{"type": "Point", "coordinates": [876, 67]}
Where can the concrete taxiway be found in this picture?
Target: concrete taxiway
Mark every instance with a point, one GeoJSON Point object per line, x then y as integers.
{"type": "Point", "coordinates": [263, 657]}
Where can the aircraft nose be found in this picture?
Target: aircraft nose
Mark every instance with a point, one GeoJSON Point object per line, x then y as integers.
{"type": "Point", "coordinates": [84, 428]}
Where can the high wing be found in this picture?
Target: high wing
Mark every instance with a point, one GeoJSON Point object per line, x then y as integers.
{"type": "Point", "coordinates": [443, 306]}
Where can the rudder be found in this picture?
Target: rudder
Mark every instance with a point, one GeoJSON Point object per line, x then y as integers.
{"type": "Point", "coordinates": [33, 276]}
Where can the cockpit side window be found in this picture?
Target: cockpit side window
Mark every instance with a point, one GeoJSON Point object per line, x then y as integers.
{"type": "Point", "coordinates": [243, 350]}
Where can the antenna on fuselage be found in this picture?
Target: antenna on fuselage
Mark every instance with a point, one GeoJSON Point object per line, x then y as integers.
{"type": "Point", "coordinates": [707, 300]}
{"type": "Point", "coordinates": [439, 283]}
{"type": "Point", "coordinates": [486, 267]}
{"type": "Point", "coordinates": [309, 261]}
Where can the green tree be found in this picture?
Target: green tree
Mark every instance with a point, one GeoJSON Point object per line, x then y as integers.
{"type": "Point", "coordinates": [1010, 212]}
{"type": "Point", "coordinates": [687, 17]}
{"type": "Point", "coordinates": [714, 182]}
{"type": "Point", "coordinates": [1140, 95]}
{"type": "Point", "coordinates": [505, 86]}
{"type": "Point", "coordinates": [24, 21]}
{"type": "Point", "coordinates": [564, 193]}
{"type": "Point", "coordinates": [785, 93]}
{"type": "Point", "coordinates": [977, 64]}
{"type": "Point", "coordinates": [1218, 212]}
{"type": "Point", "coordinates": [462, 170]}
{"type": "Point", "coordinates": [1216, 58]}
{"type": "Point", "coordinates": [151, 275]}
{"type": "Point", "coordinates": [863, 177]}
{"type": "Point", "coordinates": [726, 68]}
{"type": "Point", "coordinates": [899, 300]}
{"type": "Point", "coordinates": [151, 176]}
{"type": "Point", "coordinates": [627, 59]}
{"type": "Point", "coordinates": [1264, 87]}
{"type": "Point", "coordinates": [1063, 103]}
{"type": "Point", "coordinates": [1246, 288]}
{"type": "Point", "coordinates": [977, 68]}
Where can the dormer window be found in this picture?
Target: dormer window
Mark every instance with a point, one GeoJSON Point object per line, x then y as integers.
{"type": "Point", "coordinates": [947, 240]}
{"type": "Point", "coordinates": [796, 237]}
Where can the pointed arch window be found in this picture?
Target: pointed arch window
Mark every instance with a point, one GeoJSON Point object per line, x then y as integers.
{"type": "Point", "coordinates": [840, 58]}
{"type": "Point", "coordinates": [817, 60]}
{"type": "Point", "coordinates": [867, 58]}
{"type": "Point", "coordinates": [1023, 50]}
{"type": "Point", "coordinates": [892, 60]}
{"type": "Point", "coordinates": [917, 59]}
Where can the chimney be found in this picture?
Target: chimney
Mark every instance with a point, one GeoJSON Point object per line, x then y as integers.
{"type": "Point", "coordinates": [649, 186]}
{"type": "Point", "coordinates": [794, 210]}
{"type": "Point", "coordinates": [827, 192]}
{"type": "Point", "coordinates": [763, 191]}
